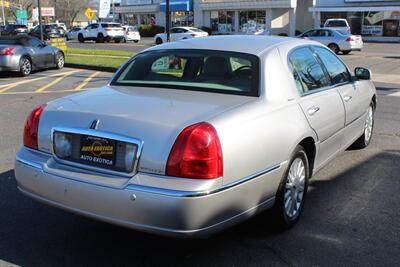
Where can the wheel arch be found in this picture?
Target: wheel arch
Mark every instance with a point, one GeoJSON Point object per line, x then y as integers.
{"type": "Point", "coordinates": [308, 144]}
{"type": "Point", "coordinates": [374, 100]}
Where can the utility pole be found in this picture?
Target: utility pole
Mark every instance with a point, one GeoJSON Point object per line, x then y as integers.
{"type": "Point", "coordinates": [2, 10]}
{"type": "Point", "coordinates": [167, 19]}
{"type": "Point", "coordinates": [40, 19]}
{"type": "Point", "coordinates": [113, 10]}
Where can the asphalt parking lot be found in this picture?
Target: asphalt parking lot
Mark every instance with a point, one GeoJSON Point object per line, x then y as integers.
{"type": "Point", "coordinates": [351, 217]}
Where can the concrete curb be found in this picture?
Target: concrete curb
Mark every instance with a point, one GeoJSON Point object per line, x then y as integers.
{"type": "Point", "coordinates": [91, 67]}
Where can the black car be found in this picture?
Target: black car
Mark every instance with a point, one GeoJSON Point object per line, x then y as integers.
{"type": "Point", "coordinates": [14, 29]}
{"type": "Point", "coordinates": [49, 31]}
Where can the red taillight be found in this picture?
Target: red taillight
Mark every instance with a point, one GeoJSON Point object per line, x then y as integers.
{"type": "Point", "coordinates": [196, 153]}
{"type": "Point", "coordinates": [7, 51]}
{"type": "Point", "coordinates": [350, 39]}
{"type": "Point", "coordinates": [193, 34]}
{"type": "Point", "coordinates": [108, 30]}
{"type": "Point", "coordinates": [31, 128]}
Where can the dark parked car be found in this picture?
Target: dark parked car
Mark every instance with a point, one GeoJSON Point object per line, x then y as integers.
{"type": "Point", "coordinates": [24, 53]}
{"type": "Point", "coordinates": [14, 29]}
{"type": "Point", "coordinates": [49, 31]}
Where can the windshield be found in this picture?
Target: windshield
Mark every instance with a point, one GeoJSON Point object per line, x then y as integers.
{"type": "Point", "coordinates": [195, 70]}
{"type": "Point", "coordinates": [111, 25]}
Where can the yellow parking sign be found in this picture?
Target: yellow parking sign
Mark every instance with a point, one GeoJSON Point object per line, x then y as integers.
{"type": "Point", "coordinates": [60, 43]}
{"type": "Point", "coordinates": [89, 13]}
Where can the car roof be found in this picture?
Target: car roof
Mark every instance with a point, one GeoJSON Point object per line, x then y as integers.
{"type": "Point", "coordinates": [248, 44]}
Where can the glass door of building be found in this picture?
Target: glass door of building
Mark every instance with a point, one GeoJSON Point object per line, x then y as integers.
{"type": "Point", "coordinates": [391, 28]}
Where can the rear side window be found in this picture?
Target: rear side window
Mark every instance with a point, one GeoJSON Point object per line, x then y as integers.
{"type": "Point", "coordinates": [307, 72]}
{"type": "Point", "coordinates": [195, 70]}
{"type": "Point", "coordinates": [336, 69]}
{"type": "Point", "coordinates": [111, 25]}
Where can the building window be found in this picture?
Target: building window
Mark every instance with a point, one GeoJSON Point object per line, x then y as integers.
{"type": "Point", "coordinates": [384, 23]}
{"type": "Point", "coordinates": [251, 21]}
{"type": "Point", "coordinates": [182, 18]}
{"type": "Point", "coordinates": [223, 21]}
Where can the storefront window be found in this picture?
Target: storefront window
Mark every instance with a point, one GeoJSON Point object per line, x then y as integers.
{"type": "Point", "coordinates": [223, 21]}
{"type": "Point", "coordinates": [384, 23]}
{"type": "Point", "coordinates": [251, 21]}
{"type": "Point", "coordinates": [147, 19]}
{"type": "Point", "coordinates": [182, 18]}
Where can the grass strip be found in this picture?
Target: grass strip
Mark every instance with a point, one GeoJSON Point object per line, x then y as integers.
{"type": "Point", "coordinates": [99, 52]}
{"type": "Point", "coordinates": [96, 61]}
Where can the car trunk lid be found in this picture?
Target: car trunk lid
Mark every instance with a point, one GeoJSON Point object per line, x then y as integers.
{"type": "Point", "coordinates": [154, 116]}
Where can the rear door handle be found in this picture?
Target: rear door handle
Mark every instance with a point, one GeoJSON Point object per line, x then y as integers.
{"type": "Point", "coordinates": [347, 98]}
{"type": "Point", "coordinates": [313, 110]}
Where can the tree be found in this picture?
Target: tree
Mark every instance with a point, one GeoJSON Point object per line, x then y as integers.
{"type": "Point", "coordinates": [67, 10]}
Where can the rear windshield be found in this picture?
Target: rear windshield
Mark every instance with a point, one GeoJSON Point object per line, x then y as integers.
{"type": "Point", "coordinates": [337, 23]}
{"type": "Point", "coordinates": [195, 70]}
{"type": "Point", "coordinates": [342, 32]}
{"type": "Point", "coordinates": [17, 26]}
{"type": "Point", "coordinates": [111, 25]}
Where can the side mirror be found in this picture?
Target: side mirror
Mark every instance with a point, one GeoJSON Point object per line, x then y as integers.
{"type": "Point", "coordinates": [362, 73]}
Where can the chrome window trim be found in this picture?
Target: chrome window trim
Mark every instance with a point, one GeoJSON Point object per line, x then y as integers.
{"type": "Point", "coordinates": [102, 134]}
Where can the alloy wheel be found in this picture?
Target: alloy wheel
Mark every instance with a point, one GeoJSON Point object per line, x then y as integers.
{"type": "Point", "coordinates": [60, 61]}
{"type": "Point", "coordinates": [369, 124]}
{"type": "Point", "coordinates": [26, 66]}
{"type": "Point", "coordinates": [294, 188]}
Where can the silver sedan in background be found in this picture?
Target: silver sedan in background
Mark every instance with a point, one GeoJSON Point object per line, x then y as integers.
{"type": "Point", "coordinates": [25, 53]}
{"type": "Point", "coordinates": [192, 136]}
{"type": "Point", "coordinates": [336, 40]}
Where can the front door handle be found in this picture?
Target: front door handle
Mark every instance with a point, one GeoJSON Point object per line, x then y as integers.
{"type": "Point", "coordinates": [347, 98]}
{"type": "Point", "coordinates": [313, 110]}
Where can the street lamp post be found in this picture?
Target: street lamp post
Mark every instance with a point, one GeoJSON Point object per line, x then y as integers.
{"type": "Point", "coordinates": [40, 20]}
{"type": "Point", "coordinates": [167, 19]}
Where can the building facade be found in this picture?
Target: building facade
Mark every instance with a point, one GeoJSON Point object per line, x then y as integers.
{"type": "Point", "coordinates": [223, 16]}
{"type": "Point", "coordinates": [374, 20]}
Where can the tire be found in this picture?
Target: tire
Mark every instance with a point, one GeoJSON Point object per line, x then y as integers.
{"type": "Point", "coordinates": [365, 139]}
{"type": "Point", "coordinates": [294, 184]}
{"type": "Point", "coordinates": [80, 38]}
{"type": "Point", "coordinates": [60, 60]}
{"type": "Point", "coordinates": [25, 66]}
{"type": "Point", "coordinates": [117, 41]}
{"type": "Point", "coordinates": [124, 40]}
{"type": "Point", "coordinates": [66, 37]}
{"type": "Point", "coordinates": [346, 52]}
{"type": "Point", "coordinates": [136, 41]}
{"type": "Point", "coordinates": [100, 38]}
{"type": "Point", "coordinates": [335, 48]}
{"type": "Point", "coordinates": [159, 41]}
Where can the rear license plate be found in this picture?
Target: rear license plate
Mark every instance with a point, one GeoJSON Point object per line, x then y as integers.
{"type": "Point", "coordinates": [97, 151]}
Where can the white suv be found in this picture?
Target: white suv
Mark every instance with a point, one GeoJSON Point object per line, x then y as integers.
{"type": "Point", "coordinates": [101, 32]}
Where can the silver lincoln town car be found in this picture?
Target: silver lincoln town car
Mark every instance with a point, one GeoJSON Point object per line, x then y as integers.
{"type": "Point", "coordinates": [193, 136]}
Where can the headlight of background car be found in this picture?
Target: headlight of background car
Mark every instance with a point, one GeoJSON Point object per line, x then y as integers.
{"type": "Point", "coordinates": [62, 144]}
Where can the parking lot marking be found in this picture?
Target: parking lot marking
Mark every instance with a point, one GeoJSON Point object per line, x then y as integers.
{"type": "Point", "coordinates": [87, 80]}
{"type": "Point", "coordinates": [6, 87]}
{"type": "Point", "coordinates": [395, 94]}
{"type": "Point", "coordinates": [41, 89]}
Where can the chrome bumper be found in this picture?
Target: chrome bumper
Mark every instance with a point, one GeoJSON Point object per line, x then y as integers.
{"type": "Point", "coordinates": [155, 210]}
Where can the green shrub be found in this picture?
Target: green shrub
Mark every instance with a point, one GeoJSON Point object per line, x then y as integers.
{"type": "Point", "coordinates": [150, 30]}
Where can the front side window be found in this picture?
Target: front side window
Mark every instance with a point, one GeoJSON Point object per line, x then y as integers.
{"type": "Point", "coordinates": [336, 69]}
{"type": "Point", "coordinates": [307, 70]}
{"type": "Point", "coordinates": [195, 70]}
